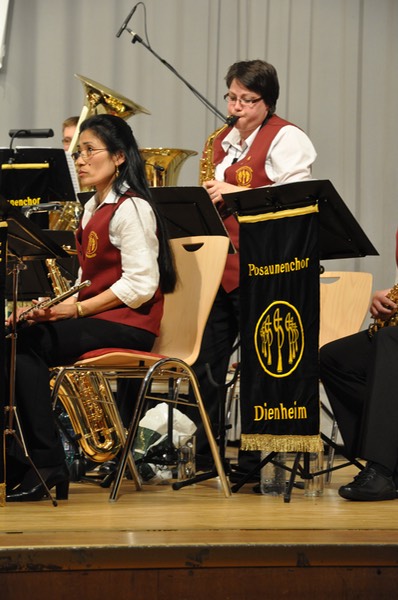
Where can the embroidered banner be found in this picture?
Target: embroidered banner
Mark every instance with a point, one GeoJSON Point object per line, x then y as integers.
{"type": "Point", "coordinates": [279, 290]}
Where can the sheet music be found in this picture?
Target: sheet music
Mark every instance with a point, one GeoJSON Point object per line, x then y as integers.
{"type": "Point", "coordinates": [72, 171]}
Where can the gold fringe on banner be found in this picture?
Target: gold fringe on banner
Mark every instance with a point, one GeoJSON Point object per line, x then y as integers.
{"type": "Point", "coordinates": [281, 443]}
{"type": "Point", "coordinates": [2, 494]}
{"type": "Point", "coordinates": [280, 214]}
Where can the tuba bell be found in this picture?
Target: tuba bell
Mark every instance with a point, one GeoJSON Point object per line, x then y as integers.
{"type": "Point", "coordinates": [163, 165]}
{"type": "Point", "coordinates": [98, 99]}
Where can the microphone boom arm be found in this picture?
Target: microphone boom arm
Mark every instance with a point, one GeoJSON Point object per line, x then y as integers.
{"type": "Point", "coordinates": [211, 107]}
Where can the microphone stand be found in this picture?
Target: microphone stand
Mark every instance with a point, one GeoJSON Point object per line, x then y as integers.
{"type": "Point", "coordinates": [136, 38]}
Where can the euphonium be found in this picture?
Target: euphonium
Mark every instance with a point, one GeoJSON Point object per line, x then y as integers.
{"type": "Point", "coordinates": [207, 167]}
{"type": "Point", "coordinates": [392, 320]}
{"type": "Point", "coordinates": [88, 399]}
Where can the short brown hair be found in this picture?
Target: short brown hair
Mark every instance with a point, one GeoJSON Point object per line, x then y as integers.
{"type": "Point", "coordinates": [258, 76]}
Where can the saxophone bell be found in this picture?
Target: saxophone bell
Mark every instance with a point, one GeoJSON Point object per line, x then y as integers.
{"type": "Point", "coordinates": [391, 321]}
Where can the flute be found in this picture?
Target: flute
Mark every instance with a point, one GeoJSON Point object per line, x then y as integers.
{"type": "Point", "coordinates": [56, 300]}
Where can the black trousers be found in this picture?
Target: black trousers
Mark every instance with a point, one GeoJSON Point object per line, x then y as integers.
{"type": "Point", "coordinates": [221, 331]}
{"type": "Point", "coordinates": [360, 377]}
{"type": "Point", "coordinates": [42, 346]}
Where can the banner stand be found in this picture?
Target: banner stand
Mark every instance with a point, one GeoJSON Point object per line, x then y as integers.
{"type": "Point", "coordinates": [284, 233]}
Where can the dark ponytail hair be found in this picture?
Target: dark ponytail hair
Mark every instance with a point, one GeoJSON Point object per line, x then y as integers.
{"type": "Point", "coordinates": [117, 136]}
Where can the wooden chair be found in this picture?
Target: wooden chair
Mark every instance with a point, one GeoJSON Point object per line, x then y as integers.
{"type": "Point", "coordinates": [200, 263]}
{"type": "Point", "coordinates": [344, 303]}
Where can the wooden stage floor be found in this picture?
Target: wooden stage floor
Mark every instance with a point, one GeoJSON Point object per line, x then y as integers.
{"type": "Point", "coordinates": [195, 543]}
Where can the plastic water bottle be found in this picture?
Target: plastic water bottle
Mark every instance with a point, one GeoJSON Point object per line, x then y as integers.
{"type": "Point", "coordinates": [67, 435]}
{"type": "Point", "coordinates": [273, 477]}
{"type": "Point", "coordinates": [314, 487]}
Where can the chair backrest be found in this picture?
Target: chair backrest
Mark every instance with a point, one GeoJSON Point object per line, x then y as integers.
{"type": "Point", "coordinates": [345, 298]}
{"type": "Point", "coordinates": [200, 263]}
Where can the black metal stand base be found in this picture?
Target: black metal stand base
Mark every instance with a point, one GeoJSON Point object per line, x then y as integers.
{"type": "Point", "coordinates": [297, 469]}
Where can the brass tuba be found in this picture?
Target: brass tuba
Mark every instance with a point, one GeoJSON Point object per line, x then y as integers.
{"type": "Point", "coordinates": [163, 165]}
{"type": "Point", "coordinates": [87, 399]}
{"type": "Point", "coordinates": [99, 99]}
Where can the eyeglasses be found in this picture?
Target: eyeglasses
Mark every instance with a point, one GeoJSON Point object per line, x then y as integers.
{"type": "Point", "coordinates": [85, 154]}
{"type": "Point", "coordinates": [244, 101]}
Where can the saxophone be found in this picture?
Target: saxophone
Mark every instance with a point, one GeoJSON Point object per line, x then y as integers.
{"type": "Point", "coordinates": [392, 320]}
{"type": "Point", "coordinates": [206, 163]}
{"type": "Point", "coordinates": [87, 398]}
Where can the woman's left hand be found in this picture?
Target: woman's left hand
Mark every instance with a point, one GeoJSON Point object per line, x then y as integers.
{"type": "Point", "coordinates": [58, 312]}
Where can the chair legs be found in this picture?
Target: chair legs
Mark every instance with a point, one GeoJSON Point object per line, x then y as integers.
{"type": "Point", "coordinates": [173, 369]}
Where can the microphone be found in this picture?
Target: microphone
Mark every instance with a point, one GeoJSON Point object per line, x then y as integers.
{"type": "Point", "coordinates": [155, 166]}
{"type": "Point", "coordinates": [126, 22]}
{"type": "Point", "coordinates": [27, 133]}
{"type": "Point", "coordinates": [31, 133]}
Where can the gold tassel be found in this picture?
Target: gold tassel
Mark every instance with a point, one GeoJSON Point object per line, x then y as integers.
{"type": "Point", "coordinates": [281, 443]}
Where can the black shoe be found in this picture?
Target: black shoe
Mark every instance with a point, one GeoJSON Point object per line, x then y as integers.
{"type": "Point", "coordinates": [32, 488]}
{"type": "Point", "coordinates": [369, 485]}
{"type": "Point", "coordinates": [107, 467]}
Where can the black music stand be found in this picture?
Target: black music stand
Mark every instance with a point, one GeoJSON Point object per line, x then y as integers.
{"type": "Point", "coordinates": [34, 279]}
{"type": "Point", "coordinates": [3, 254]}
{"type": "Point", "coordinates": [25, 242]}
{"type": "Point", "coordinates": [340, 236]}
{"type": "Point", "coordinates": [188, 211]}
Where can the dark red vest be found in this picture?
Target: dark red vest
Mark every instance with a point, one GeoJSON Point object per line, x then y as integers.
{"type": "Point", "coordinates": [247, 172]}
{"type": "Point", "coordinates": [101, 264]}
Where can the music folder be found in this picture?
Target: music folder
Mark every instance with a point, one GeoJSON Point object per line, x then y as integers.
{"type": "Point", "coordinates": [340, 235]}
{"type": "Point", "coordinates": [27, 242]}
{"type": "Point", "coordinates": [47, 174]}
{"type": "Point", "coordinates": [188, 211]}
{"type": "Point", "coordinates": [25, 239]}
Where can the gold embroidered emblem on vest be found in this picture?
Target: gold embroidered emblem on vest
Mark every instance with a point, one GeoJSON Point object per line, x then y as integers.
{"type": "Point", "coordinates": [244, 176]}
{"type": "Point", "coordinates": [92, 245]}
{"type": "Point", "coordinates": [279, 339]}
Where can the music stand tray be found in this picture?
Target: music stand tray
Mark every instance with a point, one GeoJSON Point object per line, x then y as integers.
{"type": "Point", "coordinates": [340, 235]}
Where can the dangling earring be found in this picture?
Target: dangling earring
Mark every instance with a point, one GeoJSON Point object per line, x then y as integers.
{"type": "Point", "coordinates": [117, 171]}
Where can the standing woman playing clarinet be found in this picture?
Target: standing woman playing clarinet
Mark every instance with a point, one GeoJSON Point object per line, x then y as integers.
{"type": "Point", "coordinates": [123, 250]}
